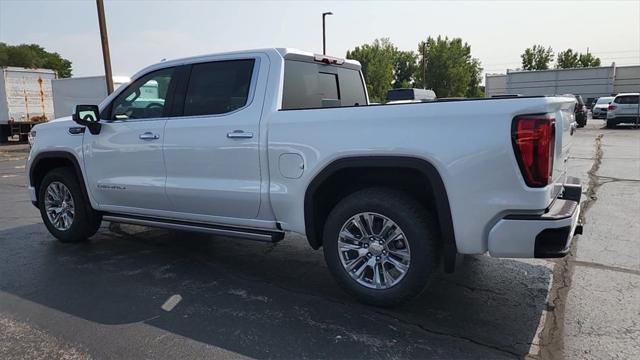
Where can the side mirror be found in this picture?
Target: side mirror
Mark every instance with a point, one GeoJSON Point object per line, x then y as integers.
{"type": "Point", "coordinates": [89, 116]}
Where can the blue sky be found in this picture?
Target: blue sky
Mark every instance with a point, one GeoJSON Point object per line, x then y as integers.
{"type": "Point", "coordinates": [144, 32]}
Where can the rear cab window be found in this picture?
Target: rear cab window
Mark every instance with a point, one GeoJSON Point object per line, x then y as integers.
{"type": "Point", "coordinates": [309, 85]}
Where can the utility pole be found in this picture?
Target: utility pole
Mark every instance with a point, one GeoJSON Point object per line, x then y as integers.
{"type": "Point", "coordinates": [424, 68]}
{"type": "Point", "coordinates": [324, 35]}
{"type": "Point", "coordinates": [105, 46]}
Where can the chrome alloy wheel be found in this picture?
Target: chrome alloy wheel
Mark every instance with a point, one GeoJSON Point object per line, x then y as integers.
{"type": "Point", "coordinates": [58, 204]}
{"type": "Point", "coordinates": [374, 250]}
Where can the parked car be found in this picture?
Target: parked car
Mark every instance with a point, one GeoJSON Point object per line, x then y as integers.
{"type": "Point", "coordinates": [259, 143]}
{"type": "Point", "coordinates": [580, 112]}
{"type": "Point", "coordinates": [590, 102]}
{"type": "Point", "coordinates": [407, 95]}
{"type": "Point", "coordinates": [624, 109]}
{"type": "Point", "coordinates": [599, 110]}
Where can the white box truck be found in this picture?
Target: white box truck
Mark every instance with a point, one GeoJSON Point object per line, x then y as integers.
{"type": "Point", "coordinates": [69, 92]}
{"type": "Point", "coordinates": [25, 100]}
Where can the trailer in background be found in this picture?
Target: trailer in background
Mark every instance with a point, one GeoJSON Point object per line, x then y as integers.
{"type": "Point", "coordinates": [69, 92]}
{"type": "Point", "coordinates": [26, 99]}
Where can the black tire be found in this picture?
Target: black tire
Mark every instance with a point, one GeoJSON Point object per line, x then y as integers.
{"type": "Point", "coordinates": [611, 124]}
{"type": "Point", "coordinates": [86, 221]}
{"type": "Point", "coordinates": [4, 134]}
{"type": "Point", "coordinates": [421, 232]}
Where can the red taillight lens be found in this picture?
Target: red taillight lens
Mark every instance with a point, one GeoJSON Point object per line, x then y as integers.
{"type": "Point", "coordinates": [612, 107]}
{"type": "Point", "coordinates": [533, 139]}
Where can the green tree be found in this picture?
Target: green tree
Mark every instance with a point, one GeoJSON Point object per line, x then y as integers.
{"type": "Point", "coordinates": [571, 60]}
{"type": "Point", "coordinates": [588, 60]}
{"type": "Point", "coordinates": [404, 68]}
{"type": "Point", "coordinates": [567, 59]}
{"type": "Point", "coordinates": [474, 89]}
{"type": "Point", "coordinates": [450, 68]}
{"type": "Point", "coordinates": [34, 56]}
{"type": "Point", "coordinates": [4, 53]}
{"type": "Point", "coordinates": [377, 60]}
{"type": "Point", "coordinates": [537, 58]}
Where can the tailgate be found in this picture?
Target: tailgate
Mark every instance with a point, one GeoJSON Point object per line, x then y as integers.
{"type": "Point", "coordinates": [562, 111]}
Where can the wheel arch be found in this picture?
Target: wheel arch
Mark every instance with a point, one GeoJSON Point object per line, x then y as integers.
{"type": "Point", "coordinates": [434, 189]}
{"type": "Point", "coordinates": [47, 161]}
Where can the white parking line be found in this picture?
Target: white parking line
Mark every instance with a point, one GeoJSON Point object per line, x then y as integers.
{"type": "Point", "coordinates": [171, 302]}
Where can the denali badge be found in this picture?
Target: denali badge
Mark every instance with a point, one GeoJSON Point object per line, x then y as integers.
{"type": "Point", "coordinates": [111, 187]}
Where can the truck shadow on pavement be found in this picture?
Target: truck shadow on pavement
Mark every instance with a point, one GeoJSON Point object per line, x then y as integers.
{"type": "Point", "coordinates": [271, 300]}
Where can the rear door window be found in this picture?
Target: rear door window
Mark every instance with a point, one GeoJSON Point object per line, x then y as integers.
{"type": "Point", "coordinates": [218, 87]}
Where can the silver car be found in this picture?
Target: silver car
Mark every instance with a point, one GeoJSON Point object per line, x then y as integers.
{"type": "Point", "coordinates": [624, 109]}
{"type": "Point", "coordinates": [599, 110]}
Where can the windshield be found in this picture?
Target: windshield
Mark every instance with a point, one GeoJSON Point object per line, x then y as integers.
{"type": "Point", "coordinates": [604, 100]}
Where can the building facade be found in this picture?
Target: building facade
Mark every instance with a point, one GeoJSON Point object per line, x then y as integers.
{"type": "Point", "coordinates": [588, 82]}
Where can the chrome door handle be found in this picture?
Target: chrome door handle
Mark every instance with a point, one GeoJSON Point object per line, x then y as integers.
{"type": "Point", "coordinates": [149, 136]}
{"type": "Point", "coordinates": [239, 134]}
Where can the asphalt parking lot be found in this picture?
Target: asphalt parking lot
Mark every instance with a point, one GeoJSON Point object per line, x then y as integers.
{"type": "Point", "coordinates": [134, 292]}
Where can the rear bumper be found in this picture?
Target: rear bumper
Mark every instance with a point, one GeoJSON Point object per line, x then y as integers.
{"type": "Point", "coordinates": [632, 119]}
{"type": "Point", "coordinates": [547, 235]}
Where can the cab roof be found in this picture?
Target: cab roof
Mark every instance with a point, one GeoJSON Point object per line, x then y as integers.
{"type": "Point", "coordinates": [285, 53]}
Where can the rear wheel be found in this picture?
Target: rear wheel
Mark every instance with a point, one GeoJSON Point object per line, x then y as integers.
{"type": "Point", "coordinates": [381, 245]}
{"type": "Point", "coordinates": [611, 124]}
{"type": "Point", "coordinates": [65, 211]}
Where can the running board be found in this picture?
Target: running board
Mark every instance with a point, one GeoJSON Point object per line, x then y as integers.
{"type": "Point", "coordinates": [250, 234]}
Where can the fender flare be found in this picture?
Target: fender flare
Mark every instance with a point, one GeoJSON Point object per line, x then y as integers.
{"type": "Point", "coordinates": [437, 189]}
{"type": "Point", "coordinates": [58, 155]}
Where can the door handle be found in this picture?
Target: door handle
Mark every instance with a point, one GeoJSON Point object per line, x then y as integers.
{"type": "Point", "coordinates": [149, 136]}
{"type": "Point", "coordinates": [239, 134]}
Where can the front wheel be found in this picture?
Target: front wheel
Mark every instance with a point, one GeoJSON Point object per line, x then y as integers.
{"type": "Point", "coordinates": [381, 245]}
{"type": "Point", "coordinates": [65, 211]}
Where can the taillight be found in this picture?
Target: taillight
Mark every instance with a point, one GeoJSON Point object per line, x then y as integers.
{"type": "Point", "coordinates": [533, 139]}
{"type": "Point", "coordinates": [612, 107]}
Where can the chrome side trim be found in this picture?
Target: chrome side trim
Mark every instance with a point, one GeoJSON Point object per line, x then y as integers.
{"type": "Point", "coordinates": [267, 236]}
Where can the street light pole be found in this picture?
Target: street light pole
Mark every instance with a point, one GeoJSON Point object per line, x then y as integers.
{"type": "Point", "coordinates": [105, 46]}
{"type": "Point", "coordinates": [324, 36]}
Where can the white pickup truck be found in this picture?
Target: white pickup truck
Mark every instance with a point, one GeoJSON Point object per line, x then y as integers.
{"type": "Point", "coordinates": [255, 144]}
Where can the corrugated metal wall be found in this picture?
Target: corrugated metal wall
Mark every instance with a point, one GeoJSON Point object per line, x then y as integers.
{"type": "Point", "coordinates": [495, 84]}
{"type": "Point", "coordinates": [589, 82]}
{"type": "Point", "coordinates": [627, 79]}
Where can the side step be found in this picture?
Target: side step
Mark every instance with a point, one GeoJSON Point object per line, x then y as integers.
{"type": "Point", "coordinates": [224, 230]}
